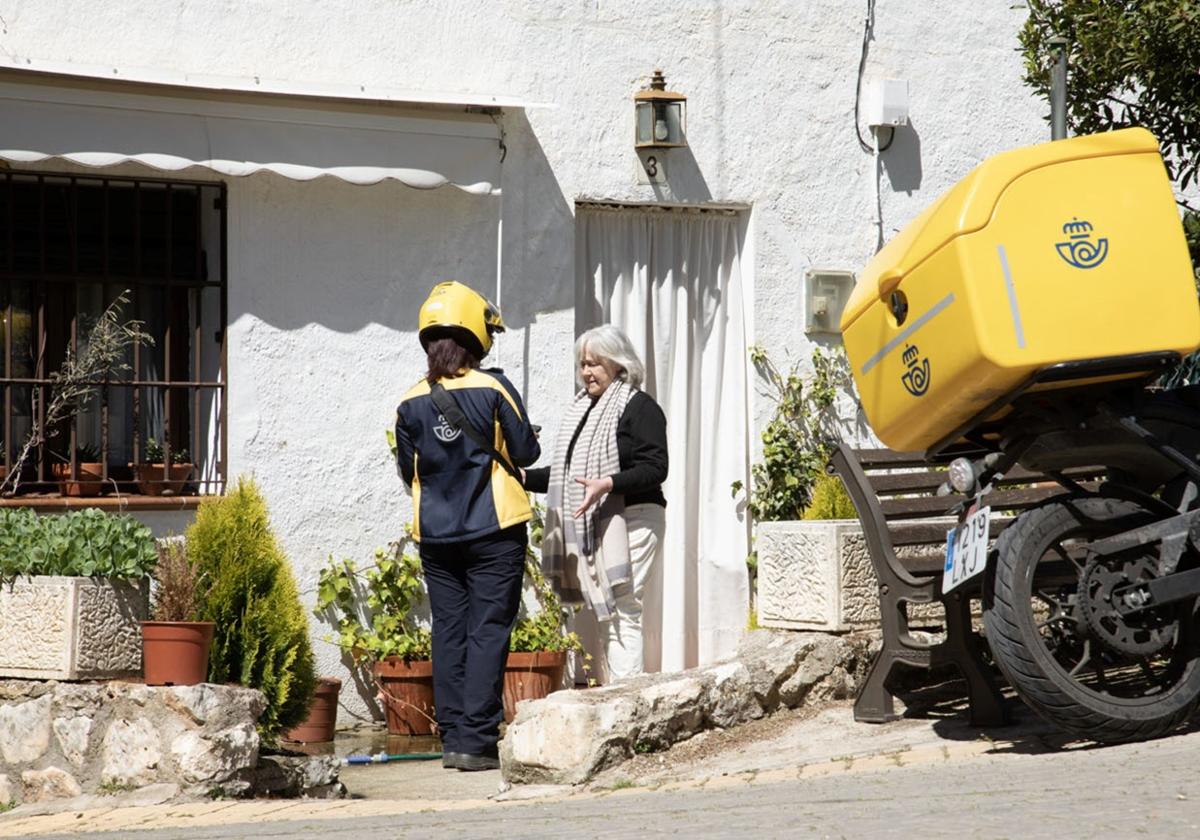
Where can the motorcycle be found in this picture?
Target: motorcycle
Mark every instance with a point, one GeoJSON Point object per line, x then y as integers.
{"type": "Point", "coordinates": [1090, 599]}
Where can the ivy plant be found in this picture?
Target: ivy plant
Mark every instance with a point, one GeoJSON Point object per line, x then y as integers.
{"type": "Point", "coordinates": [799, 439]}
{"type": "Point", "coordinates": [88, 543]}
{"type": "Point", "coordinates": [545, 629]}
{"type": "Point", "coordinates": [372, 607]}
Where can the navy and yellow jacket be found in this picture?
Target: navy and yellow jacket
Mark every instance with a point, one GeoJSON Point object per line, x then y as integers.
{"type": "Point", "coordinates": [459, 491]}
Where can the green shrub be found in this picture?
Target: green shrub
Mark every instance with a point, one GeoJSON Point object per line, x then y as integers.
{"type": "Point", "coordinates": [546, 628]}
{"type": "Point", "coordinates": [261, 637]}
{"type": "Point", "coordinates": [830, 500]}
{"type": "Point", "coordinates": [89, 543]}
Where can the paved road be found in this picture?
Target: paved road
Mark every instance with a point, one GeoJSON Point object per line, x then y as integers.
{"type": "Point", "coordinates": [1150, 790]}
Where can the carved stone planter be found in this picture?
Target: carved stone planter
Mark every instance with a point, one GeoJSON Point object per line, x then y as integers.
{"type": "Point", "coordinates": [72, 628]}
{"type": "Point", "coordinates": [815, 576]}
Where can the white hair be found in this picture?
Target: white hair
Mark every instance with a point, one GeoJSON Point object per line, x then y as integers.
{"type": "Point", "coordinates": [609, 342]}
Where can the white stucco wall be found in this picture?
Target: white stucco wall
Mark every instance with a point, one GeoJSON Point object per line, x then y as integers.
{"type": "Point", "coordinates": [325, 278]}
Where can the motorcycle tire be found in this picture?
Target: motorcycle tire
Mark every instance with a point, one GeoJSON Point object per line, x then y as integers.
{"type": "Point", "coordinates": [1028, 660]}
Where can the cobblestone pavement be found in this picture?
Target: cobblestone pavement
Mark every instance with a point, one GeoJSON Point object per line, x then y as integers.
{"type": "Point", "coordinates": [999, 789]}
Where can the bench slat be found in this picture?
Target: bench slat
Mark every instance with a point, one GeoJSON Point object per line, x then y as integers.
{"type": "Point", "coordinates": [924, 506]}
{"type": "Point", "coordinates": [893, 484]}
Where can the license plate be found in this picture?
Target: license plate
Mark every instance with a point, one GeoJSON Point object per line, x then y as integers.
{"type": "Point", "coordinates": [966, 549]}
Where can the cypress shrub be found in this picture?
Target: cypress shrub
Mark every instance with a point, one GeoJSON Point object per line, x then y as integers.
{"type": "Point", "coordinates": [830, 500]}
{"type": "Point", "coordinates": [261, 635]}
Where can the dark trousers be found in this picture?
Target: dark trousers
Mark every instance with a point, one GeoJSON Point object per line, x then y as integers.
{"type": "Point", "coordinates": [474, 593]}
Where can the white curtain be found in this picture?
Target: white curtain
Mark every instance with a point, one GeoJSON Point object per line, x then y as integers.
{"type": "Point", "coordinates": [673, 281]}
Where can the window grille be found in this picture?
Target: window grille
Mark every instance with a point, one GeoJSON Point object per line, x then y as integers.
{"type": "Point", "coordinates": [69, 246]}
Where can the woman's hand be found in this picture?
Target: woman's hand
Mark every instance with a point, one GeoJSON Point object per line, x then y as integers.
{"type": "Point", "coordinates": [593, 489]}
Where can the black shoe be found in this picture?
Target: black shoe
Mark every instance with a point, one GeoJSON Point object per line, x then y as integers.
{"type": "Point", "coordinates": [477, 762]}
{"type": "Point", "coordinates": [450, 760]}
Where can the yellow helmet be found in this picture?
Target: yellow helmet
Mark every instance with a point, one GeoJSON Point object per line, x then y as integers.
{"type": "Point", "coordinates": [462, 311]}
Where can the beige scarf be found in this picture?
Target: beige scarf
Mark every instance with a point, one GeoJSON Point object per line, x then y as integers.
{"type": "Point", "coordinates": [587, 558]}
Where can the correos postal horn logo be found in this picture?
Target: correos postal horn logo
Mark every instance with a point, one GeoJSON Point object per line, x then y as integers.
{"type": "Point", "coordinates": [444, 432]}
{"type": "Point", "coordinates": [916, 378]}
{"type": "Point", "coordinates": [1079, 250]}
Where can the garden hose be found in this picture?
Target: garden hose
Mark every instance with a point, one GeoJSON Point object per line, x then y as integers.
{"type": "Point", "coordinates": [384, 758]}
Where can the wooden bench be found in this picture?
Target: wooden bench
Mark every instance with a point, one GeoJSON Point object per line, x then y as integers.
{"type": "Point", "coordinates": [904, 524]}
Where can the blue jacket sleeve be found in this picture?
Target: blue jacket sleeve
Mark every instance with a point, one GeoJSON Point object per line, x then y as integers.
{"type": "Point", "coordinates": [523, 446]}
{"type": "Point", "coordinates": [405, 452]}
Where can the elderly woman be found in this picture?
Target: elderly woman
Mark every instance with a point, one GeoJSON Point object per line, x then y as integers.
{"type": "Point", "coordinates": [605, 510]}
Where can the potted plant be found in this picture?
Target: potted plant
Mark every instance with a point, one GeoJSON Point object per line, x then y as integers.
{"type": "Point", "coordinates": [540, 644]}
{"type": "Point", "coordinates": [155, 478]}
{"type": "Point", "coordinates": [372, 610]}
{"type": "Point", "coordinates": [175, 645]}
{"type": "Point", "coordinates": [89, 477]}
{"type": "Point", "coordinates": [74, 588]}
{"type": "Point", "coordinates": [321, 723]}
{"type": "Point", "coordinates": [809, 560]}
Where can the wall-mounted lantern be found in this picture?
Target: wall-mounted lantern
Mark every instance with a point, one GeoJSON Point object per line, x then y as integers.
{"type": "Point", "coordinates": [660, 116]}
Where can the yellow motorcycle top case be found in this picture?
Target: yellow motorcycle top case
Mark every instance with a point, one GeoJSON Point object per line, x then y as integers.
{"type": "Point", "coordinates": [1059, 252]}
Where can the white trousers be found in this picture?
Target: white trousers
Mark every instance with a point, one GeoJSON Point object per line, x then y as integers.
{"type": "Point", "coordinates": [621, 637]}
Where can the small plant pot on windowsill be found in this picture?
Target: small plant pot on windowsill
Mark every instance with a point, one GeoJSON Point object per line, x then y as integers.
{"type": "Point", "coordinates": [176, 652]}
{"type": "Point", "coordinates": [152, 481]}
{"type": "Point", "coordinates": [89, 480]}
{"type": "Point", "coordinates": [321, 722]}
{"type": "Point", "coordinates": [407, 694]}
{"type": "Point", "coordinates": [531, 676]}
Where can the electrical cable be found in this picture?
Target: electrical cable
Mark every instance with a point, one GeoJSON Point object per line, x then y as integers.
{"type": "Point", "coordinates": [868, 30]}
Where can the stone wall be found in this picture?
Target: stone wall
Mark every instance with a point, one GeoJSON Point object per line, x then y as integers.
{"type": "Point", "coordinates": [62, 740]}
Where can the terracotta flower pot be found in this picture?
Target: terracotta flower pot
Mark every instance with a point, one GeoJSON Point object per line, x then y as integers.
{"type": "Point", "coordinates": [152, 483]}
{"type": "Point", "coordinates": [176, 652]}
{"type": "Point", "coordinates": [407, 689]}
{"type": "Point", "coordinates": [90, 479]}
{"type": "Point", "coordinates": [531, 676]}
{"type": "Point", "coordinates": [321, 722]}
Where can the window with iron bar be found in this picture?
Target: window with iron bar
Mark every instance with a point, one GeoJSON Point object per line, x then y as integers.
{"type": "Point", "coordinates": [69, 246]}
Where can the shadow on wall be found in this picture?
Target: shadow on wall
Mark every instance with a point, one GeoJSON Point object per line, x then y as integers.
{"type": "Point", "coordinates": [902, 161]}
{"type": "Point", "coordinates": [685, 181]}
{"type": "Point", "coordinates": [345, 256]}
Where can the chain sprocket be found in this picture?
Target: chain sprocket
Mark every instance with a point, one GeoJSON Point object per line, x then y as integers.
{"type": "Point", "coordinates": [1139, 634]}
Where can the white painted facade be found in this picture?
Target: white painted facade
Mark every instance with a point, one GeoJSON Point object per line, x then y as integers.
{"type": "Point", "coordinates": [325, 277]}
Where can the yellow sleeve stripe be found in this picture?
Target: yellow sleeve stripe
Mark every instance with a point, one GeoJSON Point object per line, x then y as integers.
{"type": "Point", "coordinates": [477, 379]}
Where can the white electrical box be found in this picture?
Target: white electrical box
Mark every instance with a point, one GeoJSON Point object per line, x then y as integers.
{"type": "Point", "coordinates": [885, 102]}
{"type": "Point", "coordinates": [825, 294]}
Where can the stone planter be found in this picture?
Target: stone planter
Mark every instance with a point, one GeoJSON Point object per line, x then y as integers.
{"type": "Point", "coordinates": [72, 628]}
{"type": "Point", "coordinates": [815, 576]}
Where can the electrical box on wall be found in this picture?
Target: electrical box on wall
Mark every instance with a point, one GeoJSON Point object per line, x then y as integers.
{"type": "Point", "coordinates": [885, 102]}
{"type": "Point", "coordinates": [825, 294]}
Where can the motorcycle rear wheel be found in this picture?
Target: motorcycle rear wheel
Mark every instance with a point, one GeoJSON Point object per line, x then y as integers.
{"type": "Point", "coordinates": [1059, 665]}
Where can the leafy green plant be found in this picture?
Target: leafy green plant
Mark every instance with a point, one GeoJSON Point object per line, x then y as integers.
{"type": "Point", "coordinates": [799, 438]}
{"type": "Point", "coordinates": [88, 543]}
{"type": "Point", "coordinates": [546, 628]}
{"type": "Point", "coordinates": [372, 607]}
{"type": "Point", "coordinates": [261, 636]}
{"type": "Point", "coordinates": [830, 500]}
{"type": "Point", "coordinates": [154, 454]}
{"type": "Point", "coordinates": [87, 454]}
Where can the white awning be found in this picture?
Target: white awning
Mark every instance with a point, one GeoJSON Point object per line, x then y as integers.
{"type": "Point", "coordinates": [238, 135]}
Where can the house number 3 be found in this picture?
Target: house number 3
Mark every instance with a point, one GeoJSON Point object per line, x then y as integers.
{"type": "Point", "coordinates": [652, 166]}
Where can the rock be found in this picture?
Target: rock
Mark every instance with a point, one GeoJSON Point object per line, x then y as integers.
{"type": "Point", "coordinates": [732, 695]}
{"type": "Point", "coordinates": [220, 706]}
{"type": "Point", "coordinates": [73, 735]}
{"type": "Point", "coordinates": [25, 730]}
{"type": "Point", "coordinates": [217, 758]}
{"type": "Point", "coordinates": [315, 777]}
{"type": "Point", "coordinates": [51, 783]}
{"type": "Point", "coordinates": [569, 736]}
{"type": "Point", "coordinates": [131, 753]}
{"type": "Point", "coordinates": [9, 793]}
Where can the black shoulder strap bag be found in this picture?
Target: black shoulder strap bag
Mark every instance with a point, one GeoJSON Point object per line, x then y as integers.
{"type": "Point", "coordinates": [453, 413]}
